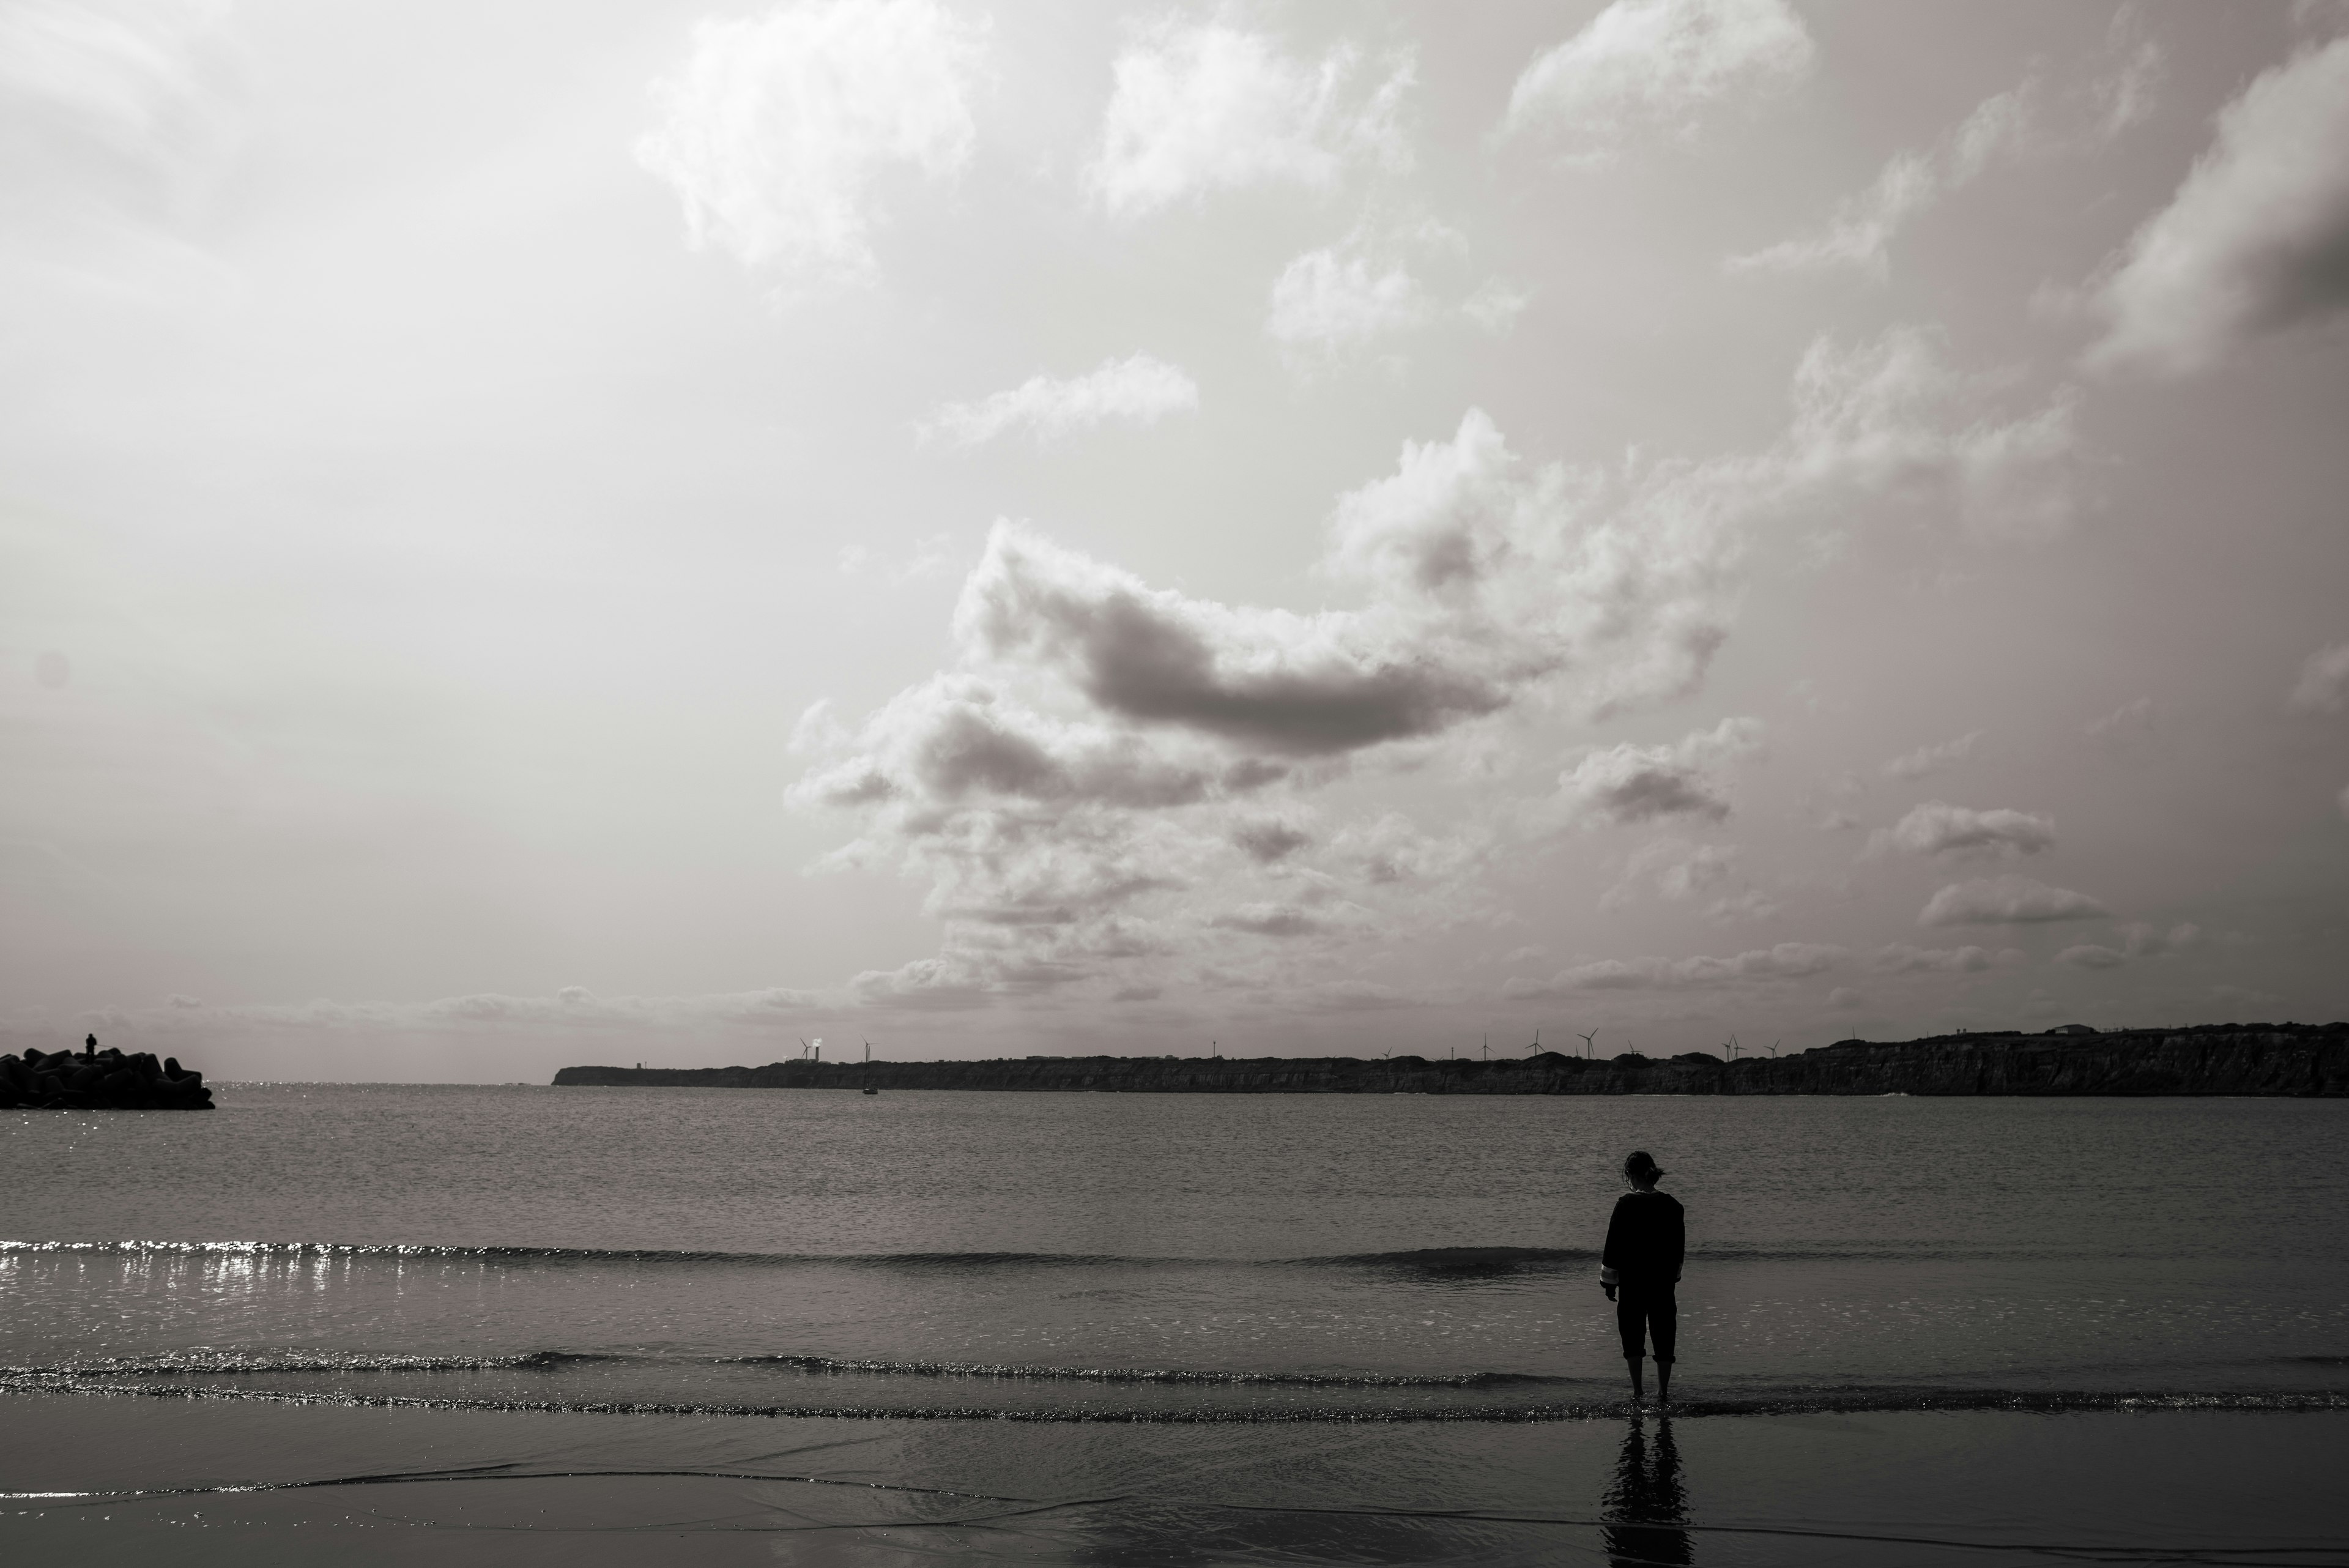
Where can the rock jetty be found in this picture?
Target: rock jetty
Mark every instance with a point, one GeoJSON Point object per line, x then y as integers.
{"type": "Point", "coordinates": [97, 1080]}
{"type": "Point", "coordinates": [2268, 1059]}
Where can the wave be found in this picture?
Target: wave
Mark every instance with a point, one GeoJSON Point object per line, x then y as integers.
{"type": "Point", "coordinates": [206, 1363]}
{"type": "Point", "coordinates": [1429, 1261]}
{"type": "Point", "coordinates": [1792, 1402]}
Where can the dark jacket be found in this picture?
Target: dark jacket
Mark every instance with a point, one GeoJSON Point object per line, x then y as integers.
{"type": "Point", "coordinates": [1645, 1240]}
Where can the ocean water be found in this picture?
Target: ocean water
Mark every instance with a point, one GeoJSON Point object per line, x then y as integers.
{"type": "Point", "coordinates": [1124, 1288]}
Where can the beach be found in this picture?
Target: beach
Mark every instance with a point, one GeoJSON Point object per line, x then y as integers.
{"type": "Point", "coordinates": [1148, 1328]}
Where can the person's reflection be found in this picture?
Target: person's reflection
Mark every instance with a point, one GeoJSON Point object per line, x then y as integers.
{"type": "Point", "coordinates": [1647, 1502]}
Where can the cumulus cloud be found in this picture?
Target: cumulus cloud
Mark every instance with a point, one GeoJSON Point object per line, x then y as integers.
{"type": "Point", "coordinates": [1202, 107]}
{"type": "Point", "coordinates": [1135, 390]}
{"type": "Point", "coordinates": [1328, 300]}
{"type": "Point", "coordinates": [1630, 784]}
{"type": "Point", "coordinates": [1938, 827]}
{"type": "Point", "coordinates": [1931, 759]}
{"type": "Point", "coordinates": [1643, 66]}
{"type": "Point", "coordinates": [2324, 684]}
{"type": "Point", "coordinates": [1899, 957]}
{"type": "Point", "coordinates": [1786, 961]}
{"type": "Point", "coordinates": [2256, 240]}
{"type": "Point", "coordinates": [2006, 901]}
{"type": "Point", "coordinates": [1085, 788]}
{"type": "Point", "coordinates": [775, 129]}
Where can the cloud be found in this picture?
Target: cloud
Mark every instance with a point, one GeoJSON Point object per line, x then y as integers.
{"type": "Point", "coordinates": [1136, 391]}
{"type": "Point", "coordinates": [2006, 901]}
{"type": "Point", "coordinates": [1326, 301]}
{"type": "Point", "coordinates": [1630, 784]}
{"type": "Point", "coordinates": [1938, 827]}
{"type": "Point", "coordinates": [926, 559]}
{"type": "Point", "coordinates": [1845, 998]}
{"type": "Point", "coordinates": [1899, 957]}
{"type": "Point", "coordinates": [1083, 787]}
{"type": "Point", "coordinates": [1269, 839]}
{"type": "Point", "coordinates": [1786, 961]}
{"type": "Point", "coordinates": [1643, 66]}
{"type": "Point", "coordinates": [2138, 940]}
{"type": "Point", "coordinates": [1203, 108]}
{"type": "Point", "coordinates": [1861, 229]}
{"type": "Point", "coordinates": [2256, 240]}
{"type": "Point", "coordinates": [136, 103]}
{"type": "Point", "coordinates": [1681, 870]}
{"type": "Point", "coordinates": [1890, 412]}
{"type": "Point", "coordinates": [1932, 758]}
{"type": "Point", "coordinates": [2342, 800]}
{"type": "Point", "coordinates": [1496, 305]}
{"type": "Point", "coordinates": [775, 129]}
{"type": "Point", "coordinates": [572, 1008]}
{"type": "Point", "coordinates": [2131, 722]}
{"type": "Point", "coordinates": [2324, 684]}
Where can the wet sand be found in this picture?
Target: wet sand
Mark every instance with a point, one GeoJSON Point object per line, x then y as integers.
{"type": "Point", "coordinates": [140, 1479]}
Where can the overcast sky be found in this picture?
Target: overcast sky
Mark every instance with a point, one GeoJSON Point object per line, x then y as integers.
{"type": "Point", "coordinates": [594, 532]}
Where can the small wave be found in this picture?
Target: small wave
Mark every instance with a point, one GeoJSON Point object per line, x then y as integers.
{"type": "Point", "coordinates": [1014, 1372]}
{"type": "Point", "coordinates": [1456, 1260]}
{"type": "Point", "coordinates": [1790, 1403]}
{"type": "Point", "coordinates": [296, 1251]}
{"type": "Point", "coordinates": [209, 1362]}
{"type": "Point", "coordinates": [1433, 1261]}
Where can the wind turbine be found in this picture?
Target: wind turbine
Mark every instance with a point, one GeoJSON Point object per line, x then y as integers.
{"type": "Point", "coordinates": [1588, 1050]}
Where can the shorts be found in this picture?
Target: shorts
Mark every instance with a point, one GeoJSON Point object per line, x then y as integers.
{"type": "Point", "coordinates": [1641, 1310]}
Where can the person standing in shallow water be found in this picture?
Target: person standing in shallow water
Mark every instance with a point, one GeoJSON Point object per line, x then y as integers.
{"type": "Point", "coordinates": [1639, 1267]}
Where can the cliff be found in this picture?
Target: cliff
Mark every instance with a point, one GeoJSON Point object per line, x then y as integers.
{"type": "Point", "coordinates": [2217, 1059]}
{"type": "Point", "coordinates": [100, 1081]}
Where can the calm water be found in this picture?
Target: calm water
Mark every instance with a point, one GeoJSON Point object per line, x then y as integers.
{"type": "Point", "coordinates": [1233, 1263]}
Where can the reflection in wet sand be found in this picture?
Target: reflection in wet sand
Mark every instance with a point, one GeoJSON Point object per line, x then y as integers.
{"type": "Point", "coordinates": [1647, 1502]}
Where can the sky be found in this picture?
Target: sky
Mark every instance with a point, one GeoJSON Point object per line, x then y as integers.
{"type": "Point", "coordinates": [590, 531]}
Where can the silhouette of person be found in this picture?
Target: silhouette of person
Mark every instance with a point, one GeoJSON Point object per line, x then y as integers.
{"type": "Point", "coordinates": [90, 1047]}
{"type": "Point", "coordinates": [1646, 1502]}
{"type": "Point", "coordinates": [1641, 1264]}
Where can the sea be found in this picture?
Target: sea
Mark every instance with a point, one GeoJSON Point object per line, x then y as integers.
{"type": "Point", "coordinates": [403, 1323]}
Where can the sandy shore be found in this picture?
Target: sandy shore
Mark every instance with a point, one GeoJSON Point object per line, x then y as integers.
{"type": "Point", "coordinates": [154, 1481]}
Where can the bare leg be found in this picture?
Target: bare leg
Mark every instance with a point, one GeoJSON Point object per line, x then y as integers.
{"type": "Point", "coordinates": [1663, 1382]}
{"type": "Point", "coordinates": [1638, 1382]}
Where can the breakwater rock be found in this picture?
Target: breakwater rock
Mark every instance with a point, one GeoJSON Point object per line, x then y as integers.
{"type": "Point", "coordinates": [2285, 1059]}
{"type": "Point", "coordinates": [100, 1081]}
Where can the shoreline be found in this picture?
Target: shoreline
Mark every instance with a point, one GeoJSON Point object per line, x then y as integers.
{"type": "Point", "coordinates": [2297, 1061]}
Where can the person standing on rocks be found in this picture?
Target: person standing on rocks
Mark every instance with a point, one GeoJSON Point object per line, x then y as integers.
{"type": "Point", "coordinates": [1639, 1267]}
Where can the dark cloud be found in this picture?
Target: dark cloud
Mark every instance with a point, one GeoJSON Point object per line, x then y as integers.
{"type": "Point", "coordinates": [1266, 841]}
{"type": "Point", "coordinates": [1628, 783]}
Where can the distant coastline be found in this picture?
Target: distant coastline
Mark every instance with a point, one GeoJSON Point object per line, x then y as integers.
{"type": "Point", "coordinates": [2255, 1059]}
